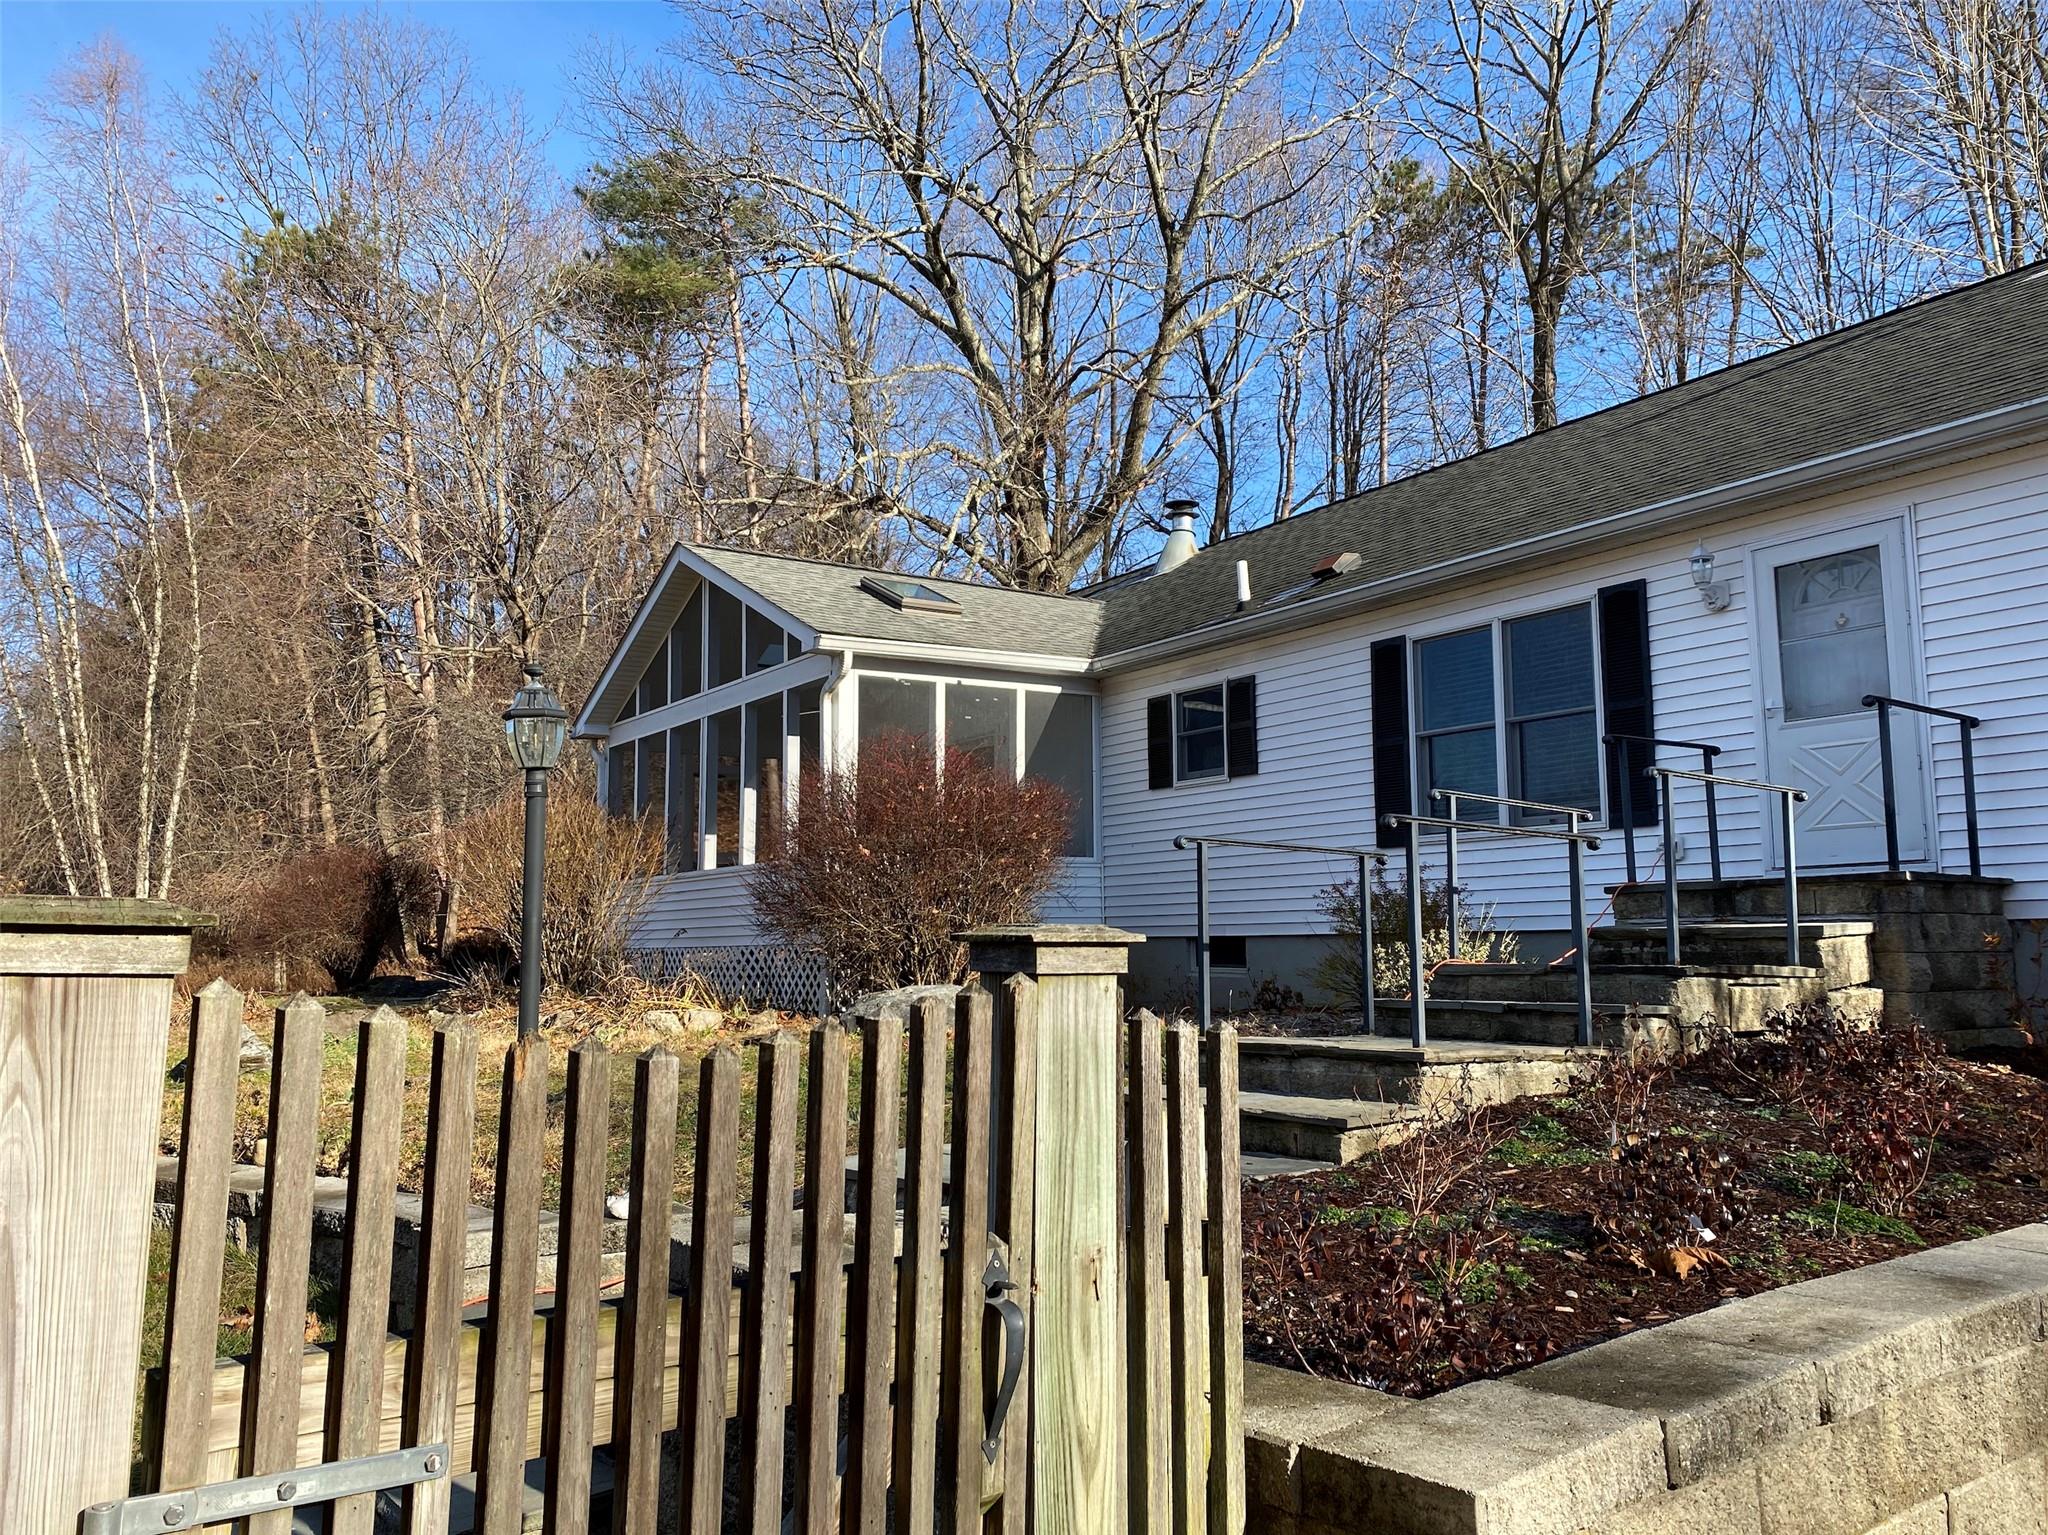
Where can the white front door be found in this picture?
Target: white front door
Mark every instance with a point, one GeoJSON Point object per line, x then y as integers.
{"type": "Point", "coordinates": [1834, 626]}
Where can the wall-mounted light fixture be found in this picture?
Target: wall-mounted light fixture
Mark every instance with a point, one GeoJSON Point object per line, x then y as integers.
{"type": "Point", "coordinates": [1713, 593]}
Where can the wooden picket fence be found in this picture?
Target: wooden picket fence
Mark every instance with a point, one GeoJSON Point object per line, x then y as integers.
{"type": "Point", "coordinates": [881, 1305]}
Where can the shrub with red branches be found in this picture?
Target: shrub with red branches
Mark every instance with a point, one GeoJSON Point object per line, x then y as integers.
{"type": "Point", "coordinates": [892, 858]}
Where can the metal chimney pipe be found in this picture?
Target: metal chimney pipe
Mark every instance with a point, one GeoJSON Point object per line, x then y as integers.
{"type": "Point", "coordinates": [1180, 539]}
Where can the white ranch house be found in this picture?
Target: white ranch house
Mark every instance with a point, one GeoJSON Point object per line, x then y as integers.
{"type": "Point", "coordinates": [1875, 508]}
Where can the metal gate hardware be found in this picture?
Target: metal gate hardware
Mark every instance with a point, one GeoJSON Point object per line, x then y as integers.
{"type": "Point", "coordinates": [218, 1502]}
{"type": "Point", "coordinates": [997, 1286]}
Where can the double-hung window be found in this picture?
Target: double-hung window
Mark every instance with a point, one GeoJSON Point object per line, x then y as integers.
{"type": "Point", "coordinates": [1553, 723]}
{"type": "Point", "coordinates": [1456, 746]}
{"type": "Point", "coordinates": [1533, 736]}
{"type": "Point", "coordinates": [1198, 734]}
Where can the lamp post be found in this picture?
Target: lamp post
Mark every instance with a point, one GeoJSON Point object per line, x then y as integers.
{"type": "Point", "coordinates": [536, 725]}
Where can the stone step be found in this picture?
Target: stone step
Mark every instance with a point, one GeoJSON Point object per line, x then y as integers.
{"type": "Point", "coordinates": [1840, 948]}
{"type": "Point", "coordinates": [1849, 894]}
{"type": "Point", "coordinates": [1387, 1070]}
{"type": "Point", "coordinates": [1528, 1021]}
{"type": "Point", "coordinates": [1326, 1130]}
{"type": "Point", "coordinates": [1740, 997]}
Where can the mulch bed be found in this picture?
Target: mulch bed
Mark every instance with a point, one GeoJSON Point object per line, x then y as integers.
{"type": "Point", "coordinates": [1511, 1235]}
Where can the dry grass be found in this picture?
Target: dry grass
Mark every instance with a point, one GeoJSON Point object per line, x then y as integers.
{"type": "Point", "coordinates": [614, 1021]}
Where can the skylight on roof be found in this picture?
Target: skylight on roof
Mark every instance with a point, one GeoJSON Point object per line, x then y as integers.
{"type": "Point", "coordinates": [912, 596]}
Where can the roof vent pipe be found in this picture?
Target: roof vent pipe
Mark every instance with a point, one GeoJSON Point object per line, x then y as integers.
{"type": "Point", "coordinates": [1180, 540]}
{"type": "Point", "coordinates": [1244, 585]}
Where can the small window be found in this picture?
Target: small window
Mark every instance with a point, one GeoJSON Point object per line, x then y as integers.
{"type": "Point", "coordinates": [904, 594]}
{"type": "Point", "coordinates": [727, 647]}
{"type": "Point", "coordinates": [766, 643]}
{"type": "Point", "coordinates": [1454, 712]}
{"type": "Point", "coordinates": [1227, 953]}
{"type": "Point", "coordinates": [1198, 734]}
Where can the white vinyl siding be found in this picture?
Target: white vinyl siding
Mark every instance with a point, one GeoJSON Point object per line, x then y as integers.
{"type": "Point", "coordinates": [1980, 535]}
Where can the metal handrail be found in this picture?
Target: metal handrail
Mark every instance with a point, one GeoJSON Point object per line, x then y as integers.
{"type": "Point", "coordinates": [1368, 859]}
{"type": "Point", "coordinates": [1788, 797]}
{"type": "Point", "coordinates": [1576, 843]}
{"type": "Point", "coordinates": [1965, 723]}
{"type": "Point", "coordinates": [1708, 752]}
{"type": "Point", "coordinates": [1452, 890]}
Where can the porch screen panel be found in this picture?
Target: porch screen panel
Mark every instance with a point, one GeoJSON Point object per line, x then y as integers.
{"type": "Point", "coordinates": [618, 779]}
{"type": "Point", "coordinates": [1059, 746]}
{"type": "Point", "coordinates": [685, 801]}
{"type": "Point", "coordinates": [653, 779]}
{"type": "Point", "coordinates": [686, 650]}
{"type": "Point", "coordinates": [726, 652]}
{"type": "Point", "coordinates": [897, 706]}
{"type": "Point", "coordinates": [767, 645]}
{"type": "Point", "coordinates": [653, 691]}
{"type": "Point", "coordinates": [807, 725]}
{"type": "Point", "coordinates": [765, 752]}
{"type": "Point", "coordinates": [982, 721]}
{"type": "Point", "coordinates": [723, 765]}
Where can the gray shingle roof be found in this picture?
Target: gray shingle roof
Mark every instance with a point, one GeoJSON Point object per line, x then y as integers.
{"type": "Point", "coordinates": [1967, 352]}
{"type": "Point", "coordinates": [829, 598]}
{"type": "Point", "coordinates": [1964, 353]}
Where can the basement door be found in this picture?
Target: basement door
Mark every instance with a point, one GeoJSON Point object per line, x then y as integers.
{"type": "Point", "coordinates": [1834, 626]}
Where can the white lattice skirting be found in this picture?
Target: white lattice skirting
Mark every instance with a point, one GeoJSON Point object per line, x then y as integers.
{"type": "Point", "coordinates": [757, 975]}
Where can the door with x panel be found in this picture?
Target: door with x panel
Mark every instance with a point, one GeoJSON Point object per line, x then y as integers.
{"type": "Point", "coordinates": [1834, 626]}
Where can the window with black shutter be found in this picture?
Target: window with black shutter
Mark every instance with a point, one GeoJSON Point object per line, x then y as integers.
{"type": "Point", "coordinates": [1203, 734]}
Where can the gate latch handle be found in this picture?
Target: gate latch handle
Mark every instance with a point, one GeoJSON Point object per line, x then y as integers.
{"type": "Point", "coordinates": [997, 1286]}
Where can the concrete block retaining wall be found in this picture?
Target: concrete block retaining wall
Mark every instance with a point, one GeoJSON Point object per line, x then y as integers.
{"type": "Point", "coordinates": [1908, 1398]}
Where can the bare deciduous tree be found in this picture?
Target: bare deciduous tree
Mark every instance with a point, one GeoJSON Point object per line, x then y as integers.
{"type": "Point", "coordinates": [101, 666]}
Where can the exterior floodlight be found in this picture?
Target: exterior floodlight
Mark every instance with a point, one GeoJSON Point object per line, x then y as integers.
{"type": "Point", "coordinates": [536, 726]}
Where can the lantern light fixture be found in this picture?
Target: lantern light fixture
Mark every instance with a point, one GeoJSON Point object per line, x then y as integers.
{"type": "Point", "coordinates": [536, 724]}
{"type": "Point", "coordinates": [536, 728]}
{"type": "Point", "coordinates": [1714, 594]}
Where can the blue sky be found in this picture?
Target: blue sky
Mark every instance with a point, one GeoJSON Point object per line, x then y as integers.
{"type": "Point", "coordinates": [528, 46]}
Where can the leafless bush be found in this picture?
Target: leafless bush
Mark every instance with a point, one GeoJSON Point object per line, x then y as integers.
{"type": "Point", "coordinates": [1339, 971]}
{"type": "Point", "coordinates": [1448, 1147]}
{"type": "Point", "coordinates": [320, 919]}
{"type": "Point", "coordinates": [893, 858]}
{"type": "Point", "coordinates": [596, 882]}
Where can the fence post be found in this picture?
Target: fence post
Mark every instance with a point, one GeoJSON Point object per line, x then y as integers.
{"type": "Point", "coordinates": [1077, 1348]}
{"type": "Point", "coordinates": [85, 1007]}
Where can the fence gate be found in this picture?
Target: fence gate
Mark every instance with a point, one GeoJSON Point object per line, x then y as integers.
{"type": "Point", "coordinates": [1038, 1330]}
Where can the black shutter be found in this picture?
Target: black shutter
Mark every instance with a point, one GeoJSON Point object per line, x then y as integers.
{"type": "Point", "coordinates": [1392, 789]}
{"type": "Point", "coordinates": [1624, 614]}
{"type": "Point", "coordinates": [1159, 740]}
{"type": "Point", "coordinates": [1241, 727]}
